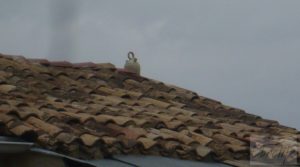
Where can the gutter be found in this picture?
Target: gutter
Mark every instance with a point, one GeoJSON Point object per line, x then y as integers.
{"type": "Point", "coordinates": [12, 145]}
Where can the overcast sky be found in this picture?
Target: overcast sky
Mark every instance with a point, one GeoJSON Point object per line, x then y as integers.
{"type": "Point", "coordinates": [243, 53]}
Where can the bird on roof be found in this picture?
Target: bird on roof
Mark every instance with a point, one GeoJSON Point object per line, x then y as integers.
{"type": "Point", "coordinates": [132, 64]}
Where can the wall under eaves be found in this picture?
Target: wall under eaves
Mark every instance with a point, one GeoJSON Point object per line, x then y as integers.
{"type": "Point", "coordinates": [30, 159]}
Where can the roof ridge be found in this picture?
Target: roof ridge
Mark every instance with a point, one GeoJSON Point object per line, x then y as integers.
{"type": "Point", "coordinates": [63, 63]}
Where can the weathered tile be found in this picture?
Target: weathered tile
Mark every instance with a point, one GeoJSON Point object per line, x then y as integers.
{"type": "Point", "coordinates": [147, 143]}
{"type": "Point", "coordinates": [157, 103]}
{"type": "Point", "coordinates": [82, 117]}
{"type": "Point", "coordinates": [180, 111]}
{"type": "Point", "coordinates": [178, 136]}
{"type": "Point", "coordinates": [7, 88]}
{"type": "Point", "coordinates": [6, 118]}
{"type": "Point", "coordinates": [120, 120]}
{"type": "Point", "coordinates": [23, 131]}
{"type": "Point", "coordinates": [203, 151]}
{"type": "Point", "coordinates": [228, 140]}
{"type": "Point", "coordinates": [46, 127]}
{"type": "Point", "coordinates": [201, 139]}
{"type": "Point", "coordinates": [237, 148]}
{"type": "Point", "coordinates": [66, 138]}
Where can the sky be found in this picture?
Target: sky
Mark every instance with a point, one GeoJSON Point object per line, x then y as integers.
{"type": "Point", "coordinates": [242, 53]}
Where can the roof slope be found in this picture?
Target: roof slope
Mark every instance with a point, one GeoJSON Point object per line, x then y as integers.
{"type": "Point", "coordinates": [92, 110]}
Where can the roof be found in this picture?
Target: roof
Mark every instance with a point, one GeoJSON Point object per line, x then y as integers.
{"type": "Point", "coordinates": [91, 111]}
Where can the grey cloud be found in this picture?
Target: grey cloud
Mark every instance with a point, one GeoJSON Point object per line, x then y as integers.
{"type": "Point", "coordinates": [63, 21]}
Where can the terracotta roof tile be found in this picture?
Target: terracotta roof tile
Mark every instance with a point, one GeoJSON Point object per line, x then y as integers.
{"type": "Point", "coordinates": [200, 138]}
{"type": "Point", "coordinates": [203, 151]}
{"type": "Point", "coordinates": [154, 102]}
{"type": "Point", "coordinates": [7, 88]}
{"type": "Point", "coordinates": [22, 130]}
{"type": "Point", "coordinates": [90, 110]}
{"type": "Point", "coordinates": [46, 127]}
{"type": "Point", "coordinates": [89, 140]}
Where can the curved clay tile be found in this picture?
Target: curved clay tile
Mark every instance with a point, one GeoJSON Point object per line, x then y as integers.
{"type": "Point", "coordinates": [154, 102]}
{"type": "Point", "coordinates": [89, 140]}
{"type": "Point", "coordinates": [24, 132]}
{"type": "Point", "coordinates": [7, 88]}
{"type": "Point", "coordinates": [147, 143]}
{"type": "Point", "coordinates": [46, 127]}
